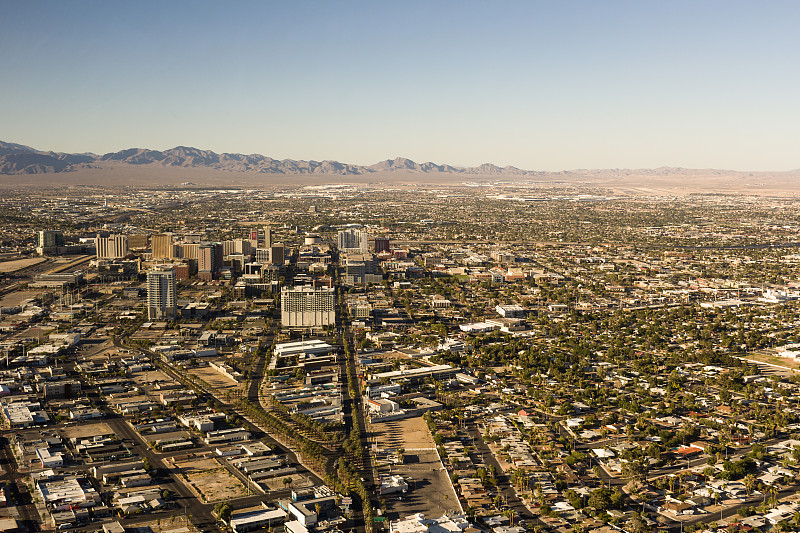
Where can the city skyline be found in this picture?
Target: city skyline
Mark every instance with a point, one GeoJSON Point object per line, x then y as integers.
{"type": "Point", "coordinates": [535, 85]}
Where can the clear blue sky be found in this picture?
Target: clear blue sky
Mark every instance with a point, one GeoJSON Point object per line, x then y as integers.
{"type": "Point", "coordinates": [542, 85]}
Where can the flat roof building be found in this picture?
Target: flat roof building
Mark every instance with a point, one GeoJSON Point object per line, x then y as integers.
{"type": "Point", "coordinates": [311, 346]}
{"type": "Point", "coordinates": [417, 375]}
{"type": "Point", "coordinates": [251, 520]}
{"type": "Point", "coordinates": [307, 307]}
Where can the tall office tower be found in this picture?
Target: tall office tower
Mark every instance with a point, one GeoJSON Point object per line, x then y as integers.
{"type": "Point", "coordinates": [50, 239]}
{"type": "Point", "coordinates": [382, 245]}
{"type": "Point", "coordinates": [242, 246]}
{"type": "Point", "coordinates": [111, 247]}
{"type": "Point", "coordinates": [162, 247]}
{"type": "Point", "coordinates": [228, 247]}
{"type": "Point", "coordinates": [267, 237]}
{"type": "Point", "coordinates": [277, 254]}
{"type": "Point", "coordinates": [308, 307]}
{"type": "Point", "coordinates": [262, 255]}
{"type": "Point", "coordinates": [161, 302]}
{"type": "Point", "coordinates": [353, 241]}
{"type": "Point", "coordinates": [209, 260]}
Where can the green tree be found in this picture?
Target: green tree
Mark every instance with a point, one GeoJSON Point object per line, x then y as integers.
{"type": "Point", "coordinates": [223, 511]}
{"type": "Point", "coordinates": [638, 525]}
{"type": "Point", "coordinates": [600, 499]}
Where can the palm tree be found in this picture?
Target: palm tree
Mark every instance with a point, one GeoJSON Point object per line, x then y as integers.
{"type": "Point", "coordinates": [749, 483]}
{"type": "Point", "coordinates": [537, 490]}
{"type": "Point", "coordinates": [510, 514]}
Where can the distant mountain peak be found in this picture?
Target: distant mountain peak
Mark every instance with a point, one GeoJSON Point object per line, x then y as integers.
{"type": "Point", "coordinates": [21, 159]}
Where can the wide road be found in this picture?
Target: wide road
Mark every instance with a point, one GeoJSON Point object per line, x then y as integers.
{"type": "Point", "coordinates": [200, 514]}
{"type": "Point", "coordinates": [503, 481]}
{"type": "Point", "coordinates": [18, 492]}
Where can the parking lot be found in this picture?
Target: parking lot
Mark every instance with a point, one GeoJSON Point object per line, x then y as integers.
{"type": "Point", "coordinates": [430, 491]}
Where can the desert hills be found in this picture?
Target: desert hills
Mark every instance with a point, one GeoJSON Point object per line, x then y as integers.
{"type": "Point", "coordinates": [22, 165]}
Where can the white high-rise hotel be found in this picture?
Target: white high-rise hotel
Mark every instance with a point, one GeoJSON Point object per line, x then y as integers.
{"type": "Point", "coordinates": [353, 241]}
{"type": "Point", "coordinates": [111, 247]}
{"type": "Point", "coordinates": [308, 307]}
{"type": "Point", "coordinates": [161, 301]}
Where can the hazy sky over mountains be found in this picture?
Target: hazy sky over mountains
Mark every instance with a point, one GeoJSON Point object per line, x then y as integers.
{"type": "Point", "coordinates": [539, 85]}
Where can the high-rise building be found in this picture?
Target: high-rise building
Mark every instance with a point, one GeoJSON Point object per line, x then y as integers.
{"type": "Point", "coordinates": [277, 254]}
{"type": "Point", "coordinates": [267, 237]}
{"type": "Point", "coordinates": [360, 269]}
{"type": "Point", "coordinates": [161, 302]}
{"type": "Point", "coordinates": [353, 240]}
{"type": "Point", "coordinates": [189, 250]}
{"type": "Point", "coordinates": [138, 242]}
{"type": "Point", "coordinates": [50, 239]}
{"type": "Point", "coordinates": [209, 260]}
{"type": "Point", "coordinates": [162, 247]}
{"type": "Point", "coordinates": [382, 244]}
{"type": "Point", "coordinates": [274, 255]}
{"type": "Point", "coordinates": [228, 247]}
{"type": "Point", "coordinates": [242, 246]}
{"type": "Point", "coordinates": [50, 243]}
{"type": "Point", "coordinates": [111, 247]}
{"type": "Point", "coordinates": [237, 246]}
{"type": "Point", "coordinates": [307, 307]}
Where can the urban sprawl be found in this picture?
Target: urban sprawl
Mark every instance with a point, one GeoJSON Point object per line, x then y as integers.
{"type": "Point", "coordinates": [488, 357]}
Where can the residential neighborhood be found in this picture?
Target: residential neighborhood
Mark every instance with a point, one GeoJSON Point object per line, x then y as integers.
{"type": "Point", "coordinates": [341, 359]}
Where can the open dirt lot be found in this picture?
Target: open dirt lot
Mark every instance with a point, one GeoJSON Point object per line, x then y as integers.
{"type": "Point", "coordinates": [83, 431]}
{"type": "Point", "coordinates": [176, 523]}
{"type": "Point", "coordinates": [17, 297]}
{"type": "Point", "coordinates": [19, 264]}
{"type": "Point", "coordinates": [299, 481]}
{"type": "Point", "coordinates": [39, 333]}
{"type": "Point", "coordinates": [153, 376]}
{"type": "Point", "coordinates": [408, 433]}
{"type": "Point", "coordinates": [773, 359]}
{"type": "Point", "coordinates": [97, 348]}
{"type": "Point", "coordinates": [210, 480]}
{"type": "Point", "coordinates": [213, 378]}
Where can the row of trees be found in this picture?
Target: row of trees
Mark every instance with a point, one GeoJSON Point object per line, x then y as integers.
{"type": "Point", "coordinates": [352, 444]}
{"type": "Point", "coordinates": [312, 453]}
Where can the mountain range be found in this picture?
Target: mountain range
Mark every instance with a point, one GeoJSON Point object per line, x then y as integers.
{"type": "Point", "coordinates": [19, 159]}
